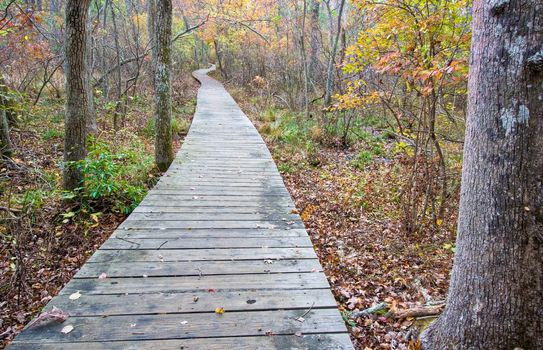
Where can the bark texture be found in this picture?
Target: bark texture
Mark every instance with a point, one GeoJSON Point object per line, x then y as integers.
{"type": "Point", "coordinates": [331, 62]}
{"type": "Point", "coordinates": [92, 126]}
{"type": "Point", "coordinates": [77, 104]}
{"type": "Point", "coordinates": [314, 43]}
{"type": "Point", "coordinates": [5, 142]}
{"type": "Point", "coordinates": [496, 286]}
{"type": "Point", "coordinates": [163, 95]}
{"type": "Point", "coordinates": [151, 31]}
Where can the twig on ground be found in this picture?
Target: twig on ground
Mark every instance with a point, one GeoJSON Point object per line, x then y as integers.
{"type": "Point", "coordinates": [301, 317]}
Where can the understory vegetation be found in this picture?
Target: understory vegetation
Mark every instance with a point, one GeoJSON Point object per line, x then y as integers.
{"type": "Point", "coordinates": [42, 222]}
{"type": "Point", "coordinates": [348, 186]}
{"type": "Point", "coordinates": [361, 102]}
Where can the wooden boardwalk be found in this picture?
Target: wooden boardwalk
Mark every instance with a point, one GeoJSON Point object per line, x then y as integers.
{"type": "Point", "coordinates": [218, 231]}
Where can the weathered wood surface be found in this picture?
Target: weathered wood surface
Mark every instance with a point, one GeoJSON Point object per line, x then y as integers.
{"type": "Point", "coordinates": [218, 230]}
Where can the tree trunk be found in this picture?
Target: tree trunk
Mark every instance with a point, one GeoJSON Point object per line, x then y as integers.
{"type": "Point", "coordinates": [151, 32]}
{"type": "Point", "coordinates": [92, 127]}
{"type": "Point", "coordinates": [186, 22]}
{"type": "Point", "coordinates": [331, 61]}
{"type": "Point", "coordinates": [118, 77]}
{"type": "Point", "coordinates": [314, 43]}
{"type": "Point", "coordinates": [104, 84]}
{"type": "Point", "coordinates": [163, 96]}
{"type": "Point", "coordinates": [220, 59]}
{"type": "Point", "coordinates": [5, 142]}
{"type": "Point", "coordinates": [303, 59]}
{"type": "Point", "coordinates": [77, 111]}
{"type": "Point", "coordinates": [496, 286]}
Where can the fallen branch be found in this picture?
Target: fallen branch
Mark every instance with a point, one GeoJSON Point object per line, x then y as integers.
{"type": "Point", "coordinates": [12, 210]}
{"type": "Point", "coordinates": [419, 312]}
{"type": "Point", "coordinates": [371, 310]}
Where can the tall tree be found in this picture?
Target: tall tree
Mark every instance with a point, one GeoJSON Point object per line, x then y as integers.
{"type": "Point", "coordinates": [5, 141]}
{"type": "Point", "coordinates": [163, 94]}
{"type": "Point", "coordinates": [77, 104]}
{"type": "Point", "coordinates": [314, 42]}
{"type": "Point", "coordinates": [92, 126]}
{"type": "Point", "coordinates": [151, 31]}
{"type": "Point", "coordinates": [331, 62]}
{"type": "Point", "coordinates": [497, 280]}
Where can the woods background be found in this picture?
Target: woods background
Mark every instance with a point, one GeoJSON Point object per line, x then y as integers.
{"type": "Point", "coordinates": [363, 104]}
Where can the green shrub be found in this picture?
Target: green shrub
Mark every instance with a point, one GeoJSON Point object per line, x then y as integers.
{"type": "Point", "coordinates": [32, 198]}
{"type": "Point", "coordinates": [113, 181]}
{"type": "Point", "coordinates": [286, 168]}
{"type": "Point", "coordinates": [177, 127]}
{"type": "Point", "coordinates": [50, 134]}
{"type": "Point", "coordinates": [362, 159]}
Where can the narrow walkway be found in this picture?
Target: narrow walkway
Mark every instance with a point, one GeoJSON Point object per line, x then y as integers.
{"type": "Point", "coordinates": [218, 231]}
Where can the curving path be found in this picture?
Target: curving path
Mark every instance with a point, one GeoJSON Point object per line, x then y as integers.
{"type": "Point", "coordinates": [219, 230]}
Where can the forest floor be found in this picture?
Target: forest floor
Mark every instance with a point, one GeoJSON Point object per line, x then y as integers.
{"type": "Point", "coordinates": [348, 199]}
{"type": "Point", "coordinates": [45, 239]}
{"type": "Point", "coordinates": [367, 258]}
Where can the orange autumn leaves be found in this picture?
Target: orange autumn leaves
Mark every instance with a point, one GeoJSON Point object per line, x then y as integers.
{"type": "Point", "coordinates": [420, 45]}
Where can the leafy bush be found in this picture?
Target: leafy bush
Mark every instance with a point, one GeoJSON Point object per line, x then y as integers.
{"type": "Point", "coordinates": [362, 159]}
{"type": "Point", "coordinates": [179, 126]}
{"type": "Point", "coordinates": [50, 134]}
{"type": "Point", "coordinates": [115, 181]}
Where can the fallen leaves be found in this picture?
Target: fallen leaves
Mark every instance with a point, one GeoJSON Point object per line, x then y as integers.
{"type": "Point", "coordinates": [219, 310]}
{"type": "Point", "coordinates": [365, 256]}
{"type": "Point", "coordinates": [67, 329]}
{"type": "Point", "coordinates": [56, 315]}
{"type": "Point", "coordinates": [75, 296]}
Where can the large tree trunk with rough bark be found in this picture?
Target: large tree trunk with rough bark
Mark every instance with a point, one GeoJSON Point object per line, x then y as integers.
{"type": "Point", "coordinates": [163, 95]}
{"type": "Point", "coordinates": [496, 286]}
{"type": "Point", "coordinates": [77, 104]}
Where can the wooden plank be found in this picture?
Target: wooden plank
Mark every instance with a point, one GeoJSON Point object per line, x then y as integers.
{"type": "Point", "coordinates": [221, 185]}
{"type": "Point", "coordinates": [202, 301]}
{"type": "Point", "coordinates": [218, 204]}
{"type": "Point", "coordinates": [325, 341]}
{"type": "Point", "coordinates": [217, 191]}
{"type": "Point", "coordinates": [206, 233]}
{"type": "Point", "coordinates": [202, 254]}
{"type": "Point", "coordinates": [211, 211]}
{"type": "Point", "coordinates": [218, 201]}
{"type": "Point", "coordinates": [173, 326]}
{"type": "Point", "coordinates": [200, 243]}
{"type": "Point", "coordinates": [199, 216]}
{"type": "Point", "coordinates": [211, 224]}
{"type": "Point", "coordinates": [174, 284]}
{"type": "Point", "coordinates": [196, 268]}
